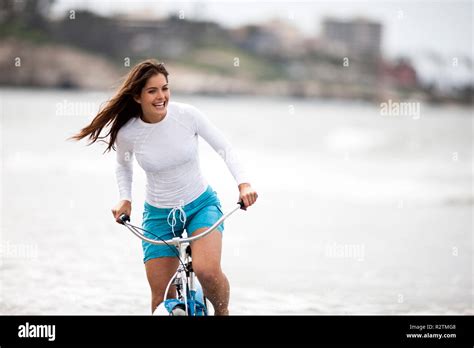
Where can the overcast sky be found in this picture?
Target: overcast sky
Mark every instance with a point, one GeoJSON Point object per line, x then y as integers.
{"type": "Point", "coordinates": [411, 27]}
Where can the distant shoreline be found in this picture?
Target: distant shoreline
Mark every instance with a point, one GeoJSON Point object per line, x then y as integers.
{"type": "Point", "coordinates": [178, 94]}
{"type": "Point", "coordinates": [25, 64]}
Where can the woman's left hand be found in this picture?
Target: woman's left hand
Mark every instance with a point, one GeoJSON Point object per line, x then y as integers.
{"type": "Point", "coordinates": [247, 194]}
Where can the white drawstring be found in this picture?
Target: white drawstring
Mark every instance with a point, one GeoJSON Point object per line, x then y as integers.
{"type": "Point", "coordinates": [172, 215]}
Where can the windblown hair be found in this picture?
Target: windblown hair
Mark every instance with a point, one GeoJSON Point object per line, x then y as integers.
{"type": "Point", "coordinates": [122, 107]}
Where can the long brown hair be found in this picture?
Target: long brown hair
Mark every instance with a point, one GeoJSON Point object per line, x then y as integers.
{"type": "Point", "coordinates": [122, 107]}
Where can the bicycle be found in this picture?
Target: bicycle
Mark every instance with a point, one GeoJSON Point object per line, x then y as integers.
{"type": "Point", "coordinates": [190, 299]}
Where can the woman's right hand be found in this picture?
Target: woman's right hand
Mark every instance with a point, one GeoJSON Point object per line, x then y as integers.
{"type": "Point", "coordinates": [122, 207]}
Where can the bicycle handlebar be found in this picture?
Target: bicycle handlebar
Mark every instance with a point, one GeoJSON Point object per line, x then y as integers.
{"type": "Point", "coordinates": [178, 240]}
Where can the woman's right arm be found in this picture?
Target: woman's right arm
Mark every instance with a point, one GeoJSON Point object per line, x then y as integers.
{"type": "Point", "coordinates": [124, 176]}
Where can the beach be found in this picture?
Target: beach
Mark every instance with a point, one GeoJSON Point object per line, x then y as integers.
{"type": "Point", "coordinates": [360, 211]}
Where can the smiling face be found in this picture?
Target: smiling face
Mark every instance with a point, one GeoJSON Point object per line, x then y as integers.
{"type": "Point", "coordinates": [154, 98]}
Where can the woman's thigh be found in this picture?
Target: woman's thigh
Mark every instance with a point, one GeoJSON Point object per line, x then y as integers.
{"type": "Point", "coordinates": [206, 252]}
{"type": "Point", "coordinates": [159, 272]}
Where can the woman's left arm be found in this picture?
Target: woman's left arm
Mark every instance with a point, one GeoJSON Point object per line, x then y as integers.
{"type": "Point", "coordinates": [222, 146]}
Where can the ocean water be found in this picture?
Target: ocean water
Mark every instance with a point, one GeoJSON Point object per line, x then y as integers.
{"type": "Point", "coordinates": [359, 212]}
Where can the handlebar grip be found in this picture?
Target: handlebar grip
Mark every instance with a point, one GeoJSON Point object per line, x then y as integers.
{"type": "Point", "coordinates": [124, 218]}
{"type": "Point", "coordinates": [242, 205]}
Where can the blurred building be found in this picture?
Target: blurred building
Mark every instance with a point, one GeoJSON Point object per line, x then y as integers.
{"type": "Point", "coordinates": [358, 36]}
{"type": "Point", "coordinates": [400, 74]}
{"type": "Point", "coordinates": [273, 38]}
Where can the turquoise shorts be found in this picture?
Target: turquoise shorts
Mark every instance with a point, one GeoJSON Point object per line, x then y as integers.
{"type": "Point", "coordinates": [204, 211]}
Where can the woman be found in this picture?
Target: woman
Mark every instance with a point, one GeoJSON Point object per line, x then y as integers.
{"type": "Point", "coordinates": [163, 136]}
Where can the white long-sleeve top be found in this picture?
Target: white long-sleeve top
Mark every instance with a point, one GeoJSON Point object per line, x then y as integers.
{"type": "Point", "coordinates": [168, 153]}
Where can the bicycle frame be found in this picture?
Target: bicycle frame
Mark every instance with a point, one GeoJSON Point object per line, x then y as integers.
{"type": "Point", "coordinates": [186, 282]}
